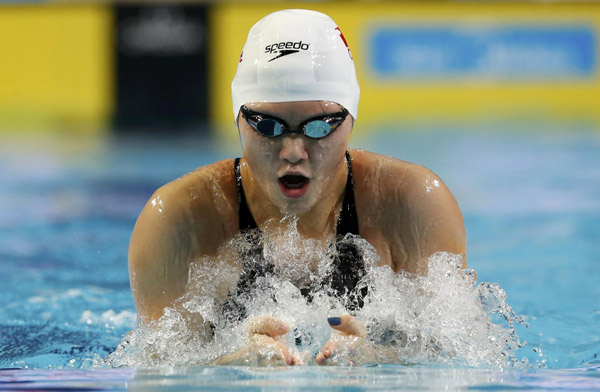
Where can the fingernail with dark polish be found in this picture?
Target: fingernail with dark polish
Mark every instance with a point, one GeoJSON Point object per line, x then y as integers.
{"type": "Point", "coordinates": [334, 320]}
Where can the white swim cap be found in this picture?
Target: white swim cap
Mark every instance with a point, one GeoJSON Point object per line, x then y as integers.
{"type": "Point", "coordinates": [296, 55]}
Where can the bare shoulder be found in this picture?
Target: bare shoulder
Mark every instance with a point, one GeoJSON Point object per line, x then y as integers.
{"type": "Point", "coordinates": [389, 182]}
{"type": "Point", "coordinates": [411, 207]}
{"type": "Point", "coordinates": [193, 205]}
{"type": "Point", "coordinates": [370, 168]}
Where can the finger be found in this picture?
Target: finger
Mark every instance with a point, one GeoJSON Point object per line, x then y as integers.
{"type": "Point", "coordinates": [320, 358]}
{"type": "Point", "coordinates": [326, 352]}
{"type": "Point", "coordinates": [289, 359]}
{"type": "Point", "coordinates": [348, 325]}
{"type": "Point", "coordinates": [297, 361]}
{"type": "Point", "coordinates": [328, 349]}
{"type": "Point", "coordinates": [267, 325]}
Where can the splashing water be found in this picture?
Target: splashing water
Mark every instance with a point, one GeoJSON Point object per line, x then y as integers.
{"type": "Point", "coordinates": [443, 318]}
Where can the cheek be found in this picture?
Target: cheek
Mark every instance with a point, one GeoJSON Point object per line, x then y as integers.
{"type": "Point", "coordinates": [330, 150]}
{"type": "Point", "coordinates": [258, 151]}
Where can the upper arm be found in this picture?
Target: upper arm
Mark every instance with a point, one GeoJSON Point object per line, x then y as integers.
{"type": "Point", "coordinates": [159, 254]}
{"type": "Point", "coordinates": [426, 219]}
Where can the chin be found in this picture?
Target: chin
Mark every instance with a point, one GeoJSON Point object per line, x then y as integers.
{"type": "Point", "coordinates": [293, 209]}
{"type": "Point", "coordinates": [295, 206]}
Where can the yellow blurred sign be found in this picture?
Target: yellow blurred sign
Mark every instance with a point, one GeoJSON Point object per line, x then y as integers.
{"type": "Point", "coordinates": [443, 62]}
{"type": "Point", "coordinates": [55, 66]}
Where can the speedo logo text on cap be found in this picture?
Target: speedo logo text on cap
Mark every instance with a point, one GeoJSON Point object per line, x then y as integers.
{"type": "Point", "coordinates": [285, 48]}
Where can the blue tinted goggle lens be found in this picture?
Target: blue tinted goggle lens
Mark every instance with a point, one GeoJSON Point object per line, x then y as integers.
{"type": "Point", "coordinates": [317, 129]}
{"type": "Point", "coordinates": [314, 128]}
{"type": "Point", "coordinates": [269, 127]}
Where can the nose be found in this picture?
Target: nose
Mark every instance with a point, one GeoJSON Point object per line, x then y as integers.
{"type": "Point", "coordinates": [293, 149]}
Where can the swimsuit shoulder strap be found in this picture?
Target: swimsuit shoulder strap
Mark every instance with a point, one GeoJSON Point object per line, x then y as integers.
{"type": "Point", "coordinates": [246, 220]}
{"type": "Point", "coordinates": [349, 262]}
{"type": "Point", "coordinates": [348, 220]}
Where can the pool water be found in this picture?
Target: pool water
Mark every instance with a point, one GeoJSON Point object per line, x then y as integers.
{"type": "Point", "coordinates": [531, 202]}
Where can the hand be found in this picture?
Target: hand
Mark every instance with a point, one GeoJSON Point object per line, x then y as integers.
{"type": "Point", "coordinates": [347, 344]}
{"type": "Point", "coordinates": [264, 348]}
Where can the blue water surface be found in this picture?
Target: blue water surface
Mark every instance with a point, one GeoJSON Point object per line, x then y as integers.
{"type": "Point", "coordinates": [530, 198]}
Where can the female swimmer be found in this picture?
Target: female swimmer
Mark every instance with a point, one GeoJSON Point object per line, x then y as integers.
{"type": "Point", "coordinates": [295, 101]}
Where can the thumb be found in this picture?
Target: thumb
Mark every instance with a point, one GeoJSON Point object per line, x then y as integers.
{"type": "Point", "coordinates": [347, 325]}
{"type": "Point", "coordinates": [267, 325]}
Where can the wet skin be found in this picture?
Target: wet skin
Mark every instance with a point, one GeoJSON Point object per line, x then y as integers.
{"type": "Point", "coordinates": [404, 210]}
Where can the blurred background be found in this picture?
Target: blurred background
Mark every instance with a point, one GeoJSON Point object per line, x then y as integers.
{"type": "Point", "coordinates": [166, 67]}
{"type": "Point", "coordinates": [103, 102]}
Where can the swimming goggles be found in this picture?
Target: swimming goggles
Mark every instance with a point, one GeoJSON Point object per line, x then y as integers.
{"type": "Point", "coordinates": [315, 127]}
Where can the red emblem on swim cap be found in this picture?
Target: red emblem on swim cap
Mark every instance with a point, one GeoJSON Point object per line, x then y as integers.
{"type": "Point", "coordinates": [345, 43]}
{"type": "Point", "coordinates": [242, 55]}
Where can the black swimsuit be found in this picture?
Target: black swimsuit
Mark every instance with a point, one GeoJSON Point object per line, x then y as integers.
{"type": "Point", "coordinates": [348, 267]}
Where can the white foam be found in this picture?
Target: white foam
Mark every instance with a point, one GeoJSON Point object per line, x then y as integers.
{"type": "Point", "coordinates": [443, 318]}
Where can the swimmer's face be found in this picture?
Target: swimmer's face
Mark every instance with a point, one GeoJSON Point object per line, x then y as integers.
{"type": "Point", "coordinates": [292, 169]}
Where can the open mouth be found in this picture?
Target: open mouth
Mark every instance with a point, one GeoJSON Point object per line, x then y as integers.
{"type": "Point", "coordinates": [293, 181]}
{"type": "Point", "coordinates": [293, 185]}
